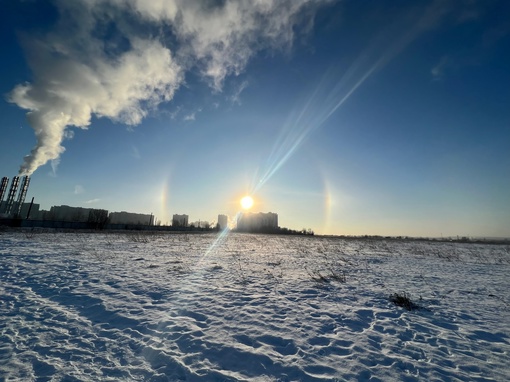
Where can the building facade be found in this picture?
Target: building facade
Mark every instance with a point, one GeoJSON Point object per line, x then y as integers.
{"type": "Point", "coordinates": [124, 217]}
{"type": "Point", "coordinates": [257, 222]}
{"type": "Point", "coordinates": [222, 222]}
{"type": "Point", "coordinates": [67, 213]}
{"type": "Point", "coordinates": [180, 220]}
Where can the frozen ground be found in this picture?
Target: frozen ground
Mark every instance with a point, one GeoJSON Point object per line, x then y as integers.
{"type": "Point", "coordinates": [172, 307]}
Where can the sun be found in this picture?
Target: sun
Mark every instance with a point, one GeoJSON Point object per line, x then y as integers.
{"type": "Point", "coordinates": [247, 202]}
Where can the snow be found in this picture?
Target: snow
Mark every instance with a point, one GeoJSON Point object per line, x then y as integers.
{"type": "Point", "coordinates": [200, 307]}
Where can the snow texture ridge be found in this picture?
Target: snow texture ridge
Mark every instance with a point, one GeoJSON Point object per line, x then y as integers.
{"type": "Point", "coordinates": [182, 307]}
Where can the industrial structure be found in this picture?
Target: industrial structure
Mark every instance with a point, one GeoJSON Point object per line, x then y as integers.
{"type": "Point", "coordinates": [124, 217]}
{"type": "Point", "coordinates": [257, 222]}
{"type": "Point", "coordinates": [15, 212]}
{"type": "Point", "coordinates": [12, 206]}
{"type": "Point", "coordinates": [67, 213]}
{"type": "Point", "coordinates": [222, 222]}
{"type": "Point", "coordinates": [202, 224]}
{"type": "Point", "coordinates": [180, 220]}
{"type": "Point", "coordinates": [3, 188]}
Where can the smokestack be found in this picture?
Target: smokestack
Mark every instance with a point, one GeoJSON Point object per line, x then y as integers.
{"type": "Point", "coordinates": [3, 189]}
{"type": "Point", "coordinates": [12, 194]}
{"type": "Point", "coordinates": [22, 194]}
{"type": "Point", "coordinates": [30, 208]}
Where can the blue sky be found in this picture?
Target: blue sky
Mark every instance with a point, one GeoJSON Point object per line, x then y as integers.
{"type": "Point", "coordinates": [347, 117]}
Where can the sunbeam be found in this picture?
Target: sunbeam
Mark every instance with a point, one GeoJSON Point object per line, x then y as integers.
{"type": "Point", "coordinates": [334, 89]}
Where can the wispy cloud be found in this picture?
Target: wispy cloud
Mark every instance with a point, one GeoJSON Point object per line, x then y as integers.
{"type": "Point", "coordinates": [236, 97]}
{"type": "Point", "coordinates": [78, 189]}
{"type": "Point", "coordinates": [438, 71]}
{"type": "Point", "coordinates": [191, 116]}
{"type": "Point", "coordinates": [135, 153]}
{"type": "Point", "coordinates": [175, 112]}
{"type": "Point", "coordinates": [475, 49]}
{"type": "Point", "coordinates": [97, 63]}
{"type": "Point", "coordinates": [54, 166]}
{"type": "Point", "coordinates": [92, 201]}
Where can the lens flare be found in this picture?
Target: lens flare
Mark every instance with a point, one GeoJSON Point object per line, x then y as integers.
{"type": "Point", "coordinates": [336, 86]}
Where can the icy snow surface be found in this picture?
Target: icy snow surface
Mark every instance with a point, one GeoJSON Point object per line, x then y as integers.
{"type": "Point", "coordinates": [172, 307]}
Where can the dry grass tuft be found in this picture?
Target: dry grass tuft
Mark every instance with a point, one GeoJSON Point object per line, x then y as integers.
{"type": "Point", "coordinates": [404, 300]}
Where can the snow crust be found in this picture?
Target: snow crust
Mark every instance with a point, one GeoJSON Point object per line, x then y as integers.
{"type": "Point", "coordinates": [239, 307]}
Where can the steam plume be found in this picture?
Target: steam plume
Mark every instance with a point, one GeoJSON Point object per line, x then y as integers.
{"type": "Point", "coordinates": [111, 58]}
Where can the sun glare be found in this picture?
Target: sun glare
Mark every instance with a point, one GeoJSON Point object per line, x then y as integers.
{"type": "Point", "coordinates": [247, 202]}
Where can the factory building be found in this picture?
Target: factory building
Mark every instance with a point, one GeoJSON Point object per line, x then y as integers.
{"type": "Point", "coordinates": [11, 202]}
{"type": "Point", "coordinates": [92, 215]}
{"type": "Point", "coordinates": [222, 222]}
{"type": "Point", "coordinates": [30, 211]}
{"type": "Point", "coordinates": [124, 217]}
{"type": "Point", "coordinates": [180, 220]}
{"type": "Point", "coordinates": [68, 214]}
{"type": "Point", "coordinates": [257, 222]}
{"type": "Point", "coordinates": [14, 209]}
{"type": "Point", "coordinates": [201, 224]}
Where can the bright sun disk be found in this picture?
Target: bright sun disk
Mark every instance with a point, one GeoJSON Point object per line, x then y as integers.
{"type": "Point", "coordinates": [247, 202]}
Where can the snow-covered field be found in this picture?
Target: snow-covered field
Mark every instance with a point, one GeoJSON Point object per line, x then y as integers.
{"type": "Point", "coordinates": [172, 307]}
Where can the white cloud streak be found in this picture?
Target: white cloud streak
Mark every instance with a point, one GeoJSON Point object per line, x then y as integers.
{"type": "Point", "coordinates": [92, 201]}
{"type": "Point", "coordinates": [236, 97]}
{"type": "Point", "coordinates": [78, 189]}
{"type": "Point", "coordinates": [439, 69]}
{"type": "Point", "coordinates": [98, 62]}
{"type": "Point", "coordinates": [135, 153]}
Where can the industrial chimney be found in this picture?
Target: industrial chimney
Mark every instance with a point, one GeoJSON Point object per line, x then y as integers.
{"type": "Point", "coordinates": [22, 194]}
{"type": "Point", "coordinates": [12, 194]}
{"type": "Point", "coordinates": [3, 189]}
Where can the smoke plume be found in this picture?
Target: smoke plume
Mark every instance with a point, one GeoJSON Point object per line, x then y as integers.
{"type": "Point", "coordinates": [120, 58]}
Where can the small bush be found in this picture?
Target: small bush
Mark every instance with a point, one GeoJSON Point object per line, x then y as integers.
{"type": "Point", "coordinates": [333, 275]}
{"type": "Point", "coordinates": [403, 300]}
{"type": "Point", "coordinates": [318, 277]}
{"type": "Point", "coordinates": [138, 237]}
